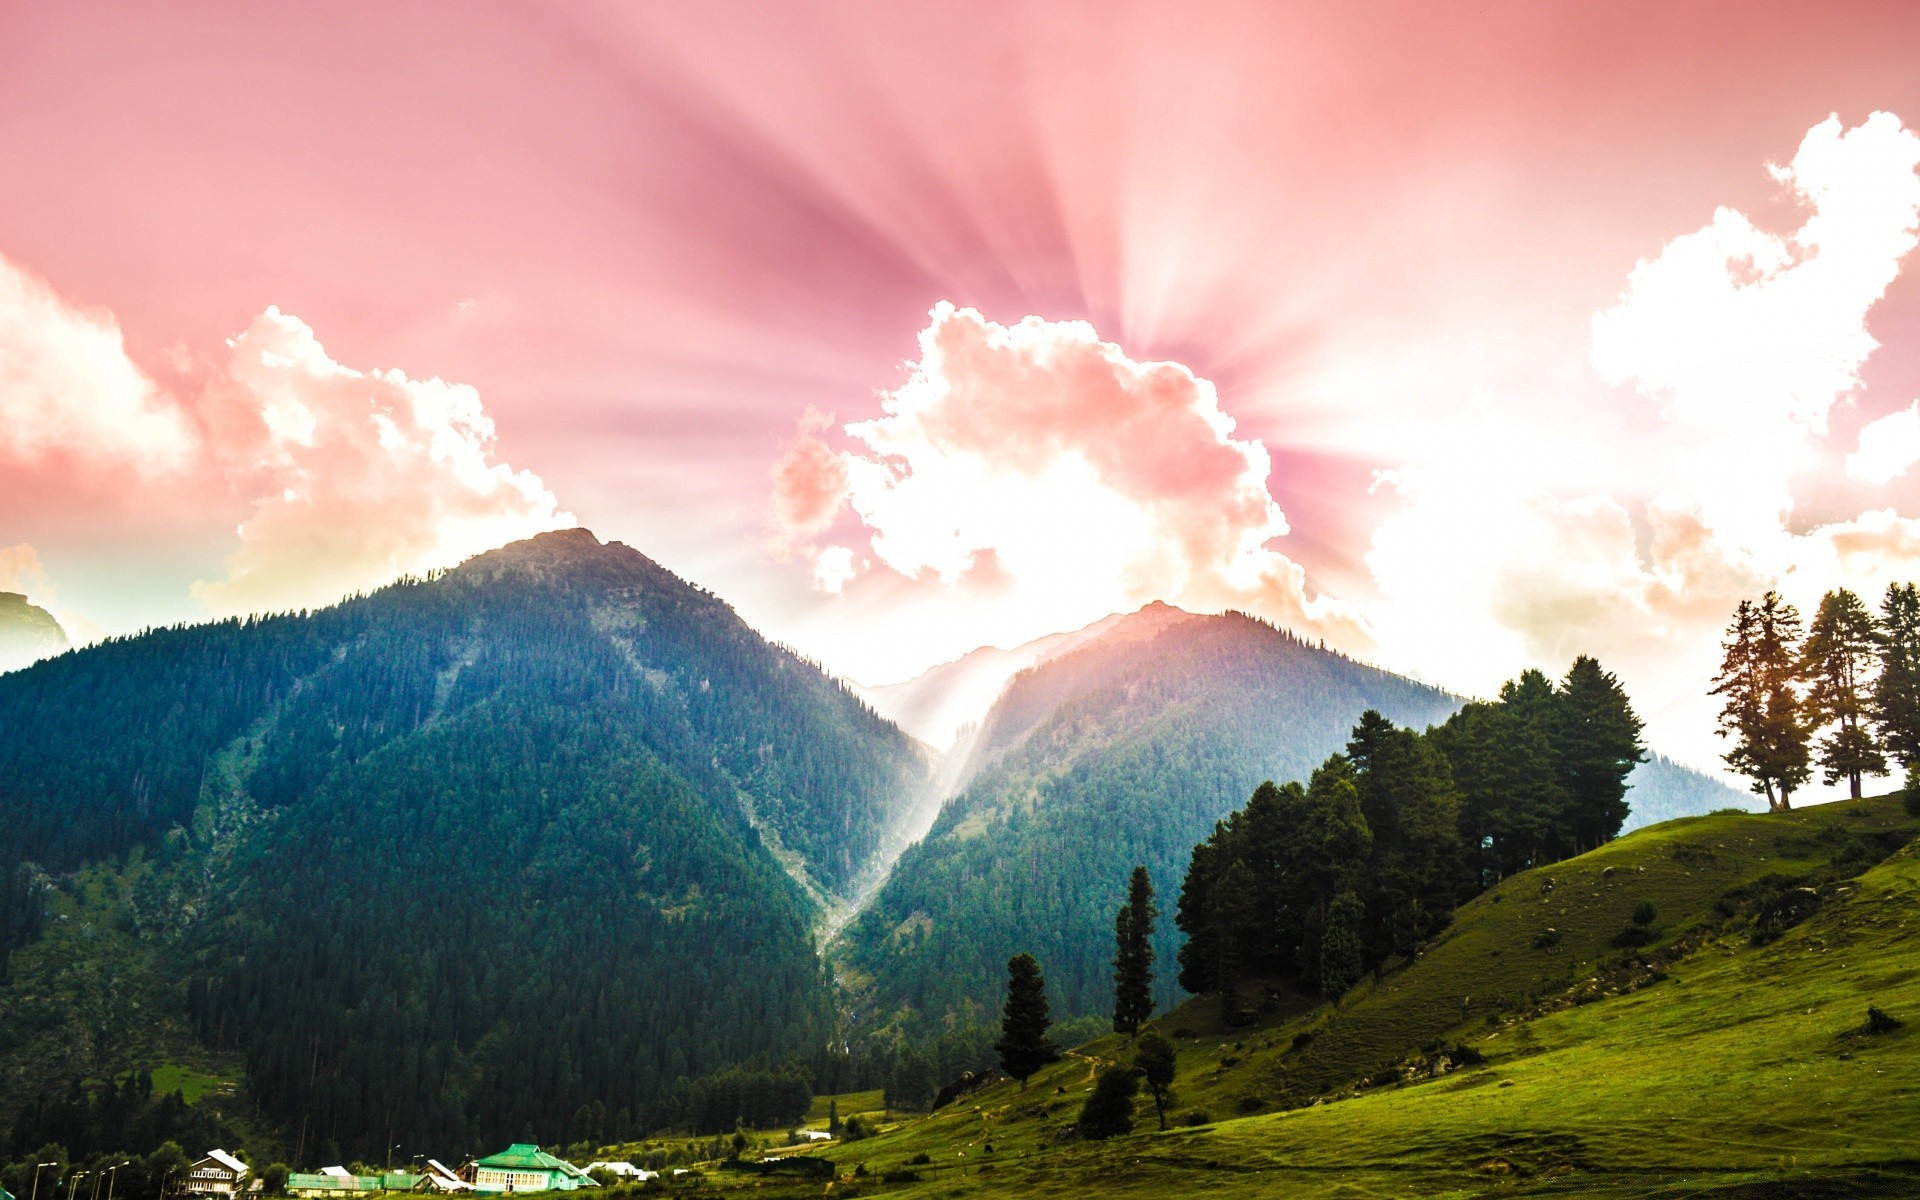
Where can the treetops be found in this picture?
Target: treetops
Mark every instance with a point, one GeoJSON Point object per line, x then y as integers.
{"type": "Point", "coordinates": [1843, 696]}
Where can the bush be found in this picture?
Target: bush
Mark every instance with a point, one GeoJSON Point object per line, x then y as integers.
{"type": "Point", "coordinates": [1196, 1116]}
{"type": "Point", "coordinates": [1644, 913]}
{"type": "Point", "coordinates": [1633, 935]}
{"type": "Point", "coordinates": [919, 1160]}
{"type": "Point", "coordinates": [856, 1127]}
{"type": "Point", "coordinates": [1880, 1021]}
{"type": "Point", "coordinates": [1546, 939]}
{"type": "Point", "coordinates": [1782, 911]}
{"type": "Point", "coordinates": [1910, 798]}
{"type": "Point", "coordinates": [1108, 1112]}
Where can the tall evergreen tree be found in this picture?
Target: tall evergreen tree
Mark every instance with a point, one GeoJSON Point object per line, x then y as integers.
{"type": "Point", "coordinates": [1596, 746]}
{"type": "Point", "coordinates": [1896, 692]}
{"type": "Point", "coordinates": [1762, 710]}
{"type": "Point", "coordinates": [1133, 955]}
{"type": "Point", "coordinates": [1024, 1046]}
{"type": "Point", "coordinates": [1838, 660]}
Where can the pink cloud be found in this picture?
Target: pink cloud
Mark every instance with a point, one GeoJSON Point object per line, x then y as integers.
{"type": "Point", "coordinates": [809, 481]}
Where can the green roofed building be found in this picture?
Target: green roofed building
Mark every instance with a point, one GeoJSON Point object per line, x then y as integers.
{"type": "Point", "coordinates": [523, 1168]}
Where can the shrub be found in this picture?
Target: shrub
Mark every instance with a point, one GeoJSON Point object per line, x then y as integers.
{"type": "Point", "coordinates": [1108, 1112]}
{"type": "Point", "coordinates": [919, 1160]}
{"type": "Point", "coordinates": [1910, 800]}
{"type": "Point", "coordinates": [1546, 939]}
{"type": "Point", "coordinates": [1880, 1021]}
{"type": "Point", "coordinates": [1782, 911]}
{"type": "Point", "coordinates": [1196, 1116]}
{"type": "Point", "coordinates": [856, 1127]}
{"type": "Point", "coordinates": [1644, 913]}
{"type": "Point", "coordinates": [1633, 935]}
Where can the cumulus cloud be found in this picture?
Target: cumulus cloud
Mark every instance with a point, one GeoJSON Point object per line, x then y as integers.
{"type": "Point", "coordinates": [1749, 338]}
{"type": "Point", "coordinates": [1888, 447]}
{"type": "Point", "coordinates": [1745, 340]}
{"type": "Point", "coordinates": [359, 476]}
{"type": "Point", "coordinates": [67, 388]}
{"type": "Point", "coordinates": [1039, 462]}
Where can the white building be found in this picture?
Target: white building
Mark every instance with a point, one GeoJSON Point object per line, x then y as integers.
{"type": "Point", "coordinates": [622, 1170]}
{"type": "Point", "coordinates": [218, 1174]}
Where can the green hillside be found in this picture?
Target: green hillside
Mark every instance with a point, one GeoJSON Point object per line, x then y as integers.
{"type": "Point", "coordinates": [520, 847]}
{"type": "Point", "coordinates": [1526, 1053]}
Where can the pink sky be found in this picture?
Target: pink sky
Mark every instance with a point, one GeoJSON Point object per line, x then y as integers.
{"type": "Point", "coordinates": [640, 243]}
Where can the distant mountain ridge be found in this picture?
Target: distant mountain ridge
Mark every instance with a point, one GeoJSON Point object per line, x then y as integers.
{"type": "Point", "coordinates": [27, 633]}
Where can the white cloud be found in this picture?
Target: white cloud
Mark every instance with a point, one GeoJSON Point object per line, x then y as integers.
{"type": "Point", "coordinates": [359, 476]}
{"type": "Point", "coordinates": [1888, 447]}
{"type": "Point", "coordinates": [1050, 476]}
{"type": "Point", "coordinates": [832, 567]}
{"type": "Point", "coordinates": [68, 388]}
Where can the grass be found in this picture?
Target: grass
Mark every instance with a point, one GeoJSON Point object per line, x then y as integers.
{"type": "Point", "coordinates": [1700, 1064]}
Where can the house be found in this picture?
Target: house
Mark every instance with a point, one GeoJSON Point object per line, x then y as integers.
{"type": "Point", "coordinates": [622, 1170]}
{"type": "Point", "coordinates": [441, 1178]}
{"type": "Point", "coordinates": [812, 1135]}
{"type": "Point", "coordinates": [218, 1174]}
{"type": "Point", "coordinates": [333, 1181]}
{"type": "Point", "coordinates": [522, 1167]}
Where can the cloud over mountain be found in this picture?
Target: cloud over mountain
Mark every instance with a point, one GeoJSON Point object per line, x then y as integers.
{"type": "Point", "coordinates": [1038, 460]}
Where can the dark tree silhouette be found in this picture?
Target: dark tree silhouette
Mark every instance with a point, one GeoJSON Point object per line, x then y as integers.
{"type": "Point", "coordinates": [1024, 1046]}
{"type": "Point", "coordinates": [1838, 661]}
{"type": "Point", "coordinates": [1762, 710]}
{"type": "Point", "coordinates": [1133, 955]}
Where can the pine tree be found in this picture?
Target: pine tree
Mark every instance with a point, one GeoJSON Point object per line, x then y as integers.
{"type": "Point", "coordinates": [1341, 950]}
{"type": "Point", "coordinates": [1154, 1058]}
{"type": "Point", "coordinates": [1896, 693]}
{"type": "Point", "coordinates": [1837, 660]}
{"type": "Point", "coordinates": [1231, 915]}
{"type": "Point", "coordinates": [1133, 955]}
{"type": "Point", "coordinates": [1762, 711]}
{"type": "Point", "coordinates": [1024, 1046]}
{"type": "Point", "coordinates": [1108, 1112]}
{"type": "Point", "coordinates": [1596, 740]}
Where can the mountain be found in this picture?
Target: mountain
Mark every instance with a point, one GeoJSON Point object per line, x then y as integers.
{"type": "Point", "coordinates": [515, 848]}
{"type": "Point", "coordinates": [1726, 1049]}
{"type": "Point", "coordinates": [27, 634]}
{"type": "Point", "coordinates": [1122, 751]}
{"type": "Point", "coordinates": [1122, 747]}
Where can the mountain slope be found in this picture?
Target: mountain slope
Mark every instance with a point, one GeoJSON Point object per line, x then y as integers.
{"type": "Point", "coordinates": [1124, 751]}
{"type": "Point", "coordinates": [1731, 1056]}
{"type": "Point", "coordinates": [27, 633]}
{"type": "Point", "coordinates": [468, 855]}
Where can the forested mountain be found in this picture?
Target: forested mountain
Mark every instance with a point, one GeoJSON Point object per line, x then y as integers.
{"type": "Point", "coordinates": [1124, 751]}
{"type": "Point", "coordinates": [27, 633]}
{"type": "Point", "coordinates": [508, 852]}
{"type": "Point", "coordinates": [1121, 751]}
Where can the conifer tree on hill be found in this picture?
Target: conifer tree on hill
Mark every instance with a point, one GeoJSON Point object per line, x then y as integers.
{"type": "Point", "coordinates": [1896, 692]}
{"type": "Point", "coordinates": [1133, 955]}
{"type": "Point", "coordinates": [1596, 743]}
{"type": "Point", "coordinates": [1838, 661]}
{"type": "Point", "coordinates": [1762, 711]}
{"type": "Point", "coordinates": [1024, 1046]}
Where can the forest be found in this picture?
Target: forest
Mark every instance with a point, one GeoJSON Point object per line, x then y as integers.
{"type": "Point", "coordinates": [468, 855]}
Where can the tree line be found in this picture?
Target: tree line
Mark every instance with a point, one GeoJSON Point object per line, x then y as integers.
{"type": "Point", "coordinates": [1841, 694]}
{"type": "Point", "coordinates": [1317, 884]}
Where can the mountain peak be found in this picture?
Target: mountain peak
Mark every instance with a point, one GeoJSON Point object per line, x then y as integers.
{"type": "Point", "coordinates": [27, 633]}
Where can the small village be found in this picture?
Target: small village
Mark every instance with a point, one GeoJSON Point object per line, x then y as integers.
{"type": "Point", "coordinates": [519, 1169]}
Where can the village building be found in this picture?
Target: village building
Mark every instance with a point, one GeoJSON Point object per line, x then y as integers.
{"type": "Point", "coordinates": [440, 1177]}
{"type": "Point", "coordinates": [522, 1167]}
{"type": "Point", "coordinates": [622, 1170]}
{"type": "Point", "coordinates": [218, 1174]}
{"type": "Point", "coordinates": [332, 1181]}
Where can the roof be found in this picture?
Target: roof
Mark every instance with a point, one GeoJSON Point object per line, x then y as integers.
{"type": "Point", "coordinates": [527, 1157]}
{"type": "Point", "coordinates": [228, 1161]}
{"type": "Point", "coordinates": [446, 1177]}
{"type": "Point", "coordinates": [337, 1172]}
